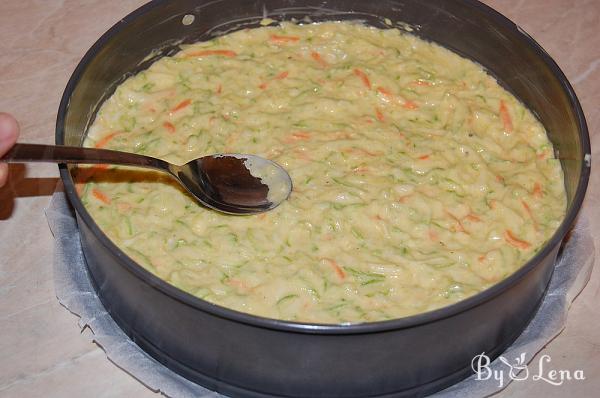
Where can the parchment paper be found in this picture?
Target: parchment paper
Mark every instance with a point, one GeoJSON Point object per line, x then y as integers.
{"type": "Point", "coordinates": [75, 292]}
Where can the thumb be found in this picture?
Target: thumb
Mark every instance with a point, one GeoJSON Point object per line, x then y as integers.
{"type": "Point", "coordinates": [9, 131]}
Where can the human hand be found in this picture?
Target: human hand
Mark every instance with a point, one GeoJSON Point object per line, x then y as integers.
{"type": "Point", "coordinates": [9, 131]}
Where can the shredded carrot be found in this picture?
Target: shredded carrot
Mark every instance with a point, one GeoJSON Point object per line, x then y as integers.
{"type": "Point", "coordinates": [282, 75]}
{"type": "Point", "coordinates": [472, 217]}
{"type": "Point", "coordinates": [241, 285]}
{"type": "Point", "coordinates": [530, 213]}
{"type": "Point", "coordinates": [183, 104]}
{"type": "Point", "coordinates": [424, 157]}
{"type": "Point", "coordinates": [384, 91]}
{"type": "Point", "coordinates": [169, 126]}
{"type": "Point", "coordinates": [123, 207]}
{"type": "Point", "coordinates": [301, 135]}
{"type": "Point", "coordinates": [301, 154]}
{"type": "Point", "coordinates": [433, 235]}
{"type": "Point", "coordinates": [379, 115]}
{"type": "Point", "coordinates": [105, 140]}
{"type": "Point", "coordinates": [224, 53]}
{"type": "Point", "coordinates": [219, 89]}
{"type": "Point", "coordinates": [505, 116]}
{"type": "Point", "coordinates": [404, 199]}
{"type": "Point", "coordinates": [363, 76]}
{"type": "Point", "coordinates": [537, 190]}
{"type": "Point", "coordinates": [361, 169]}
{"type": "Point", "coordinates": [461, 227]}
{"type": "Point", "coordinates": [421, 83]}
{"type": "Point", "coordinates": [284, 39]}
{"type": "Point", "coordinates": [101, 196]}
{"type": "Point", "coordinates": [516, 242]}
{"type": "Point", "coordinates": [297, 136]}
{"type": "Point", "coordinates": [336, 267]}
{"type": "Point", "coordinates": [499, 178]}
{"type": "Point", "coordinates": [410, 105]}
{"type": "Point", "coordinates": [482, 258]}
{"type": "Point", "coordinates": [317, 57]}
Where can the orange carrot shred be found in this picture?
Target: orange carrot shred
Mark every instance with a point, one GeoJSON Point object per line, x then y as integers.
{"type": "Point", "coordinates": [124, 207]}
{"type": "Point", "coordinates": [219, 89]}
{"type": "Point", "coordinates": [361, 169]}
{"type": "Point", "coordinates": [282, 75]}
{"type": "Point", "coordinates": [530, 214]}
{"type": "Point", "coordinates": [514, 241]}
{"type": "Point", "coordinates": [101, 196]}
{"type": "Point", "coordinates": [424, 157]}
{"type": "Point", "coordinates": [433, 235]}
{"type": "Point", "coordinates": [537, 190]}
{"type": "Point", "coordinates": [410, 105]}
{"type": "Point", "coordinates": [363, 76]}
{"type": "Point", "coordinates": [105, 140]}
{"type": "Point", "coordinates": [405, 198]}
{"type": "Point", "coordinates": [505, 116]}
{"type": "Point", "coordinates": [301, 135]}
{"type": "Point", "coordinates": [472, 217]}
{"type": "Point", "coordinates": [384, 91]}
{"type": "Point", "coordinates": [224, 53]}
{"type": "Point", "coordinates": [461, 227]}
{"type": "Point", "coordinates": [169, 126]}
{"type": "Point", "coordinates": [336, 267]}
{"type": "Point", "coordinates": [183, 104]}
{"type": "Point", "coordinates": [379, 115]}
{"type": "Point", "coordinates": [317, 57]}
{"type": "Point", "coordinates": [481, 258]}
{"type": "Point", "coordinates": [284, 39]}
{"type": "Point", "coordinates": [263, 86]}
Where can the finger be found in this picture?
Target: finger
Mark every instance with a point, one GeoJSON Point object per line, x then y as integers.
{"type": "Point", "coordinates": [9, 131]}
{"type": "Point", "coordinates": [3, 174]}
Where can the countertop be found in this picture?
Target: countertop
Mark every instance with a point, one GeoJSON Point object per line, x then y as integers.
{"type": "Point", "coordinates": [42, 350]}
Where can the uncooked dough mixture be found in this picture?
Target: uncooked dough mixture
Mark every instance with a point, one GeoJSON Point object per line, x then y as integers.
{"type": "Point", "coordinates": [418, 180]}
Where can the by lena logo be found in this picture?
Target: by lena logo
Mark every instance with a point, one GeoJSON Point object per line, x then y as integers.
{"type": "Point", "coordinates": [518, 370]}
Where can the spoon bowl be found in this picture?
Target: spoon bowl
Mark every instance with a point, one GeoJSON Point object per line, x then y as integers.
{"type": "Point", "coordinates": [230, 183]}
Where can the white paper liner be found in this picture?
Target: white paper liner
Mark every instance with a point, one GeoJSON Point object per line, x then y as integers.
{"type": "Point", "coordinates": [75, 292]}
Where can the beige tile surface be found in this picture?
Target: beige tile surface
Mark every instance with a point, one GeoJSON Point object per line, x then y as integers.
{"type": "Point", "coordinates": [42, 351]}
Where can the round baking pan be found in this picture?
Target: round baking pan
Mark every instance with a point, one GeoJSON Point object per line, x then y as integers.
{"type": "Point", "coordinates": [244, 355]}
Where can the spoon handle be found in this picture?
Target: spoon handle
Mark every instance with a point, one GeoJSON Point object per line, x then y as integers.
{"type": "Point", "coordinates": [21, 153]}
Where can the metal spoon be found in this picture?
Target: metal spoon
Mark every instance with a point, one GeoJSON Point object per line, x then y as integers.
{"type": "Point", "coordinates": [229, 183]}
